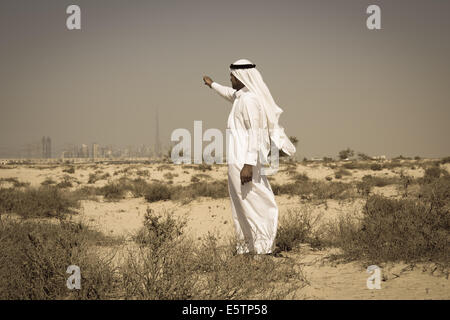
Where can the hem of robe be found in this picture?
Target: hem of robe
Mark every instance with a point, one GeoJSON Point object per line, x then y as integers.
{"type": "Point", "coordinates": [250, 238]}
{"type": "Point", "coordinates": [259, 247]}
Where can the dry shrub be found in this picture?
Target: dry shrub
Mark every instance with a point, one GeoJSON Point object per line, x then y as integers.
{"type": "Point", "coordinates": [112, 191]}
{"type": "Point", "coordinates": [169, 265]}
{"type": "Point", "coordinates": [226, 275]}
{"type": "Point", "coordinates": [376, 167]}
{"type": "Point", "coordinates": [300, 177]}
{"type": "Point", "coordinates": [15, 182]}
{"type": "Point", "coordinates": [48, 181]}
{"type": "Point", "coordinates": [399, 230]}
{"type": "Point", "coordinates": [316, 189]}
{"type": "Point", "coordinates": [44, 201]}
{"type": "Point", "coordinates": [160, 191]}
{"type": "Point", "coordinates": [160, 267]}
{"type": "Point", "coordinates": [445, 160]}
{"type": "Point", "coordinates": [143, 173]}
{"type": "Point", "coordinates": [165, 167]}
{"type": "Point", "coordinates": [365, 186]}
{"type": "Point", "coordinates": [69, 170]}
{"type": "Point", "coordinates": [94, 177]}
{"type": "Point", "coordinates": [34, 258]}
{"type": "Point", "coordinates": [432, 173]}
{"type": "Point", "coordinates": [295, 227]}
{"type": "Point", "coordinates": [342, 172]}
{"type": "Point", "coordinates": [157, 192]}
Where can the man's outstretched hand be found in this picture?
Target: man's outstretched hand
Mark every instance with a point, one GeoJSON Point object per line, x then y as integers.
{"type": "Point", "coordinates": [208, 81]}
{"type": "Point", "coordinates": [246, 173]}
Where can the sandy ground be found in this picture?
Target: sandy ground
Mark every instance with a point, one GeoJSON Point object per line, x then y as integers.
{"type": "Point", "coordinates": [327, 279]}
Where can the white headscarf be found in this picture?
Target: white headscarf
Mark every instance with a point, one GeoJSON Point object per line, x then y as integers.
{"type": "Point", "coordinates": [253, 80]}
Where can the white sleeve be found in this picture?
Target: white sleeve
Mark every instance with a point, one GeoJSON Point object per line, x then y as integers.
{"type": "Point", "coordinates": [226, 92]}
{"type": "Point", "coordinates": [252, 116]}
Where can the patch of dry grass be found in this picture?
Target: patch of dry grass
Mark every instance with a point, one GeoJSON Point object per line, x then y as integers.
{"type": "Point", "coordinates": [410, 229]}
{"type": "Point", "coordinates": [44, 201]}
{"type": "Point", "coordinates": [34, 257]}
{"type": "Point", "coordinates": [169, 265]}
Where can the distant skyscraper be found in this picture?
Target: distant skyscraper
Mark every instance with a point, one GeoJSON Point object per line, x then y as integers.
{"type": "Point", "coordinates": [84, 151]}
{"type": "Point", "coordinates": [46, 147]}
{"type": "Point", "coordinates": [49, 148]}
{"type": "Point", "coordinates": [95, 150]}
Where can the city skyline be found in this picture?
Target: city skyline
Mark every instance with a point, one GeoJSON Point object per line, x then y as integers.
{"type": "Point", "coordinates": [340, 85]}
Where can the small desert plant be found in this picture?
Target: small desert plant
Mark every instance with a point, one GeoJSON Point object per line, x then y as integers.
{"type": "Point", "coordinates": [300, 177]}
{"type": "Point", "coordinates": [376, 167]}
{"type": "Point", "coordinates": [342, 172]}
{"type": "Point", "coordinates": [143, 173]}
{"type": "Point", "coordinates": [347, 153]}
{"type": "Point", "coordinates": [203, 167]}
{"type": "Point", "coordinates": [159, 229]}
{"type": "Point", "coordinates": [66, 182]}
{"type": "Point", "coordinates": [162, 267]}
{"type": "Point", "coordinates": [168, 176]}
{"type": "Point", "coordinates": [169, 265]}
{"type": "Point", "coordinates": [445, 160]}
{"type": "Point", "coordinates": [297, 227]}
{"type": "Point", "coordinates": [365, 186]}
{"type": "Point", "coordinates": [157, 191]}
{"type": "Point", "coordinates": [317, 189]}
{"type": "Point", "coordinates": [45, 201]}
{"type": "Point", "coordinates": [34, 258]}
{"type": "Point", "coordinates": [112, 191]}
{"type": "Point", "coordinates": [432, 173]}
{"type": "Point", "coordinates": [48, 181]}
{"type": "Point", "coordinates": [94, 177]}
{"type": "Point", "coordinates": [69, 170]}
{"type": "Point", "coordinates": [165, 167]}
{"type": "Point", "coordinates": [364, 156]}
{"type": "Point", "coordinates": [398, 230]}
{"type": "Point", "coordinates": [15, 182]}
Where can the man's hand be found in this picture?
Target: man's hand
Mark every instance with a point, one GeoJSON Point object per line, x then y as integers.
{"type": "Point", "coordinates": [208, 81]}
{"type": "Point", "coordinates": [246, 173]}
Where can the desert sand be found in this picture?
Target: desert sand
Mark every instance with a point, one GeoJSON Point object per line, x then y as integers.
{"type": "Point", "coordinates": [327, 278]}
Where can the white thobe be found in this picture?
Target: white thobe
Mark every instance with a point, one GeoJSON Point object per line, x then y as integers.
{"type": "Point", "coordinates": [254, 210]}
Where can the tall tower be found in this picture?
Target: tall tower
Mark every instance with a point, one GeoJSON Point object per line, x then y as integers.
{"type": "Point", "coordinates": [95, 149]}
{"type": "Point", "coordinates": [49, 147]}
{"type": "Point", "coordinates": [157, 142]}
{"type": "Point", "coordinates": [44, 147]}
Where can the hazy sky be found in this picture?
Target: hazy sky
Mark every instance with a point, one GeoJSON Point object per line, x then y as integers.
{"type": "Point", "coordinates": [340, 85]}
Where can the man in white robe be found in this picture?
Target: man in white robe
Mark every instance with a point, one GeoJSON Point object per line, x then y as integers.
{"type": "Point", "coordinates": [251, 126]}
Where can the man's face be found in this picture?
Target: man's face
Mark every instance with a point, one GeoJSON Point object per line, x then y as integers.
{"type": "Point", "coordinates": [235, 83]}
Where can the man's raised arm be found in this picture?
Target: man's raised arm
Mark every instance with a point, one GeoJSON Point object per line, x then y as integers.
{"type": "Point", "coordinates": [226, 92]}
